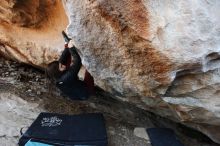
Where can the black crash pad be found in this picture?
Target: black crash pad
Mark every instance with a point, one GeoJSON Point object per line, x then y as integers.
{"type": "Point", "coordinates": [84, 129]}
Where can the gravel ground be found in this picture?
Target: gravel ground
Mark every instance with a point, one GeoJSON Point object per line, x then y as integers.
{"type": "Point", "coordinates": [24, 93]}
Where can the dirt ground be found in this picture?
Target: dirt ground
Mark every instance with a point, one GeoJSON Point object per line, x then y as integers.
{"type": "Point", "coordinates": [24, 94]}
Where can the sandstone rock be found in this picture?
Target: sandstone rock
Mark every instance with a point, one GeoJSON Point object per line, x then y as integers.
{"type": "Point", "coordinates": [163, 56]}
{"type": "Point", "coordinates": [30, 30]}
{"type": "Point", "coordinates": [15, 114]}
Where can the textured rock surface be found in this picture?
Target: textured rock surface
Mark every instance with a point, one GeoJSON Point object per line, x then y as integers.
{"type": "Point", "coordinates": [30, 30]}
{"type": "Point", "coordinates": [15, 113]}
{"type": "Point", "coordinates": [163, 56]}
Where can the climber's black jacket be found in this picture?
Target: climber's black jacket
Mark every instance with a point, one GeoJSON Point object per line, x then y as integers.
{"type": "Point", "coordinates": [72, 71]}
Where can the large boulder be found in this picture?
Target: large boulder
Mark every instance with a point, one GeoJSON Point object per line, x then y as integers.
{"type": "Point", "coordinates": [30, 30]}
{"type": "Point", "coordinates": [162, 56]}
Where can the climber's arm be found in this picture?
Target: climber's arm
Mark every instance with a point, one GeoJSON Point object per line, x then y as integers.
{"type": "Point", "coordinates": [63, 60]}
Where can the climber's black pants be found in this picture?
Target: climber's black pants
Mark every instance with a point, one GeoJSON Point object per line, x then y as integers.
{"type": "Point", "coordinates": [76, 90]}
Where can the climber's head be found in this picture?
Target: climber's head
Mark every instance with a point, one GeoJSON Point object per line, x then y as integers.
{"type": "Point", "coordinates": [52, 71]}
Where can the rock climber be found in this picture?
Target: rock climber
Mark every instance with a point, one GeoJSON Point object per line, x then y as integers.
{"type": "Point", "coordinates": [65, 73]}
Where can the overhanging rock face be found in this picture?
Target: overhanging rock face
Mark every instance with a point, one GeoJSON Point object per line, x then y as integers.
{"type": "Point", "coordinates": [30, 30]}
{"type": "Point", "coordinates": [163, 56]}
